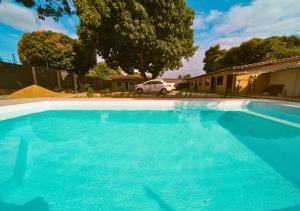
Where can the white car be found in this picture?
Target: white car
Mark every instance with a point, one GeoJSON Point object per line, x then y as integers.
{"type": "Point", "coordinates": [155, 86]}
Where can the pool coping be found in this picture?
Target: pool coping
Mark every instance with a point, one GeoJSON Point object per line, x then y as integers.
{"type": "Point", "coordinates": [15, 108]}
{"type": "Point", "coordinates": [8, 102]}
{"type": "Point", "coordinates": [23, 108]}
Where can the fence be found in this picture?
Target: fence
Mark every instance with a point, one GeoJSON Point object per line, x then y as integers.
{"type": "Point", "coordinates": [13, 77]}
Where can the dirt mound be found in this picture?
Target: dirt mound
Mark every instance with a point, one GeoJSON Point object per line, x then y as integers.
{"type": "Point", "coordinates": [34, 91]}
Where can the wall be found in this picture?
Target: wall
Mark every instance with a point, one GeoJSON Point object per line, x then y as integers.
{"type": "Point", "coordinates": [260, 84]}
{"type": "Point", "coordinates": [122, 87]}
{"type": "Point", "coordinates": [199, 84]}
{"type": "Point", "coordinates": [14, 77]}
{"type": "Point", "coordinates": [291, 80]}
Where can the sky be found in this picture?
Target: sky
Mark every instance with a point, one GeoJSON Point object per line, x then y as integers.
{"type": "Point", "coordinates": [224, 22]}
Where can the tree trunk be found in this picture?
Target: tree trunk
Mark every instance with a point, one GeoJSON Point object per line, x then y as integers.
{"type": "Point", "coordinates": [154, 76]}
{"type": "Point", "coordinates": [144, 76]}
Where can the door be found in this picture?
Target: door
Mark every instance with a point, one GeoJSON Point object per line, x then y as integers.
{"type": "Point", "coordinates": [156, 86]}
{"type": "Point", "coordinates": [213, 84]}
{"type": "Point", "coordinates": [147, 87]}
{"type": "Point", "coordinates": [229, 84]}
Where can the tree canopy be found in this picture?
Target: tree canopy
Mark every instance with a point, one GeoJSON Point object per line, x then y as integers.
{"type": "Point", "coordinates": [213, 57]}
{"type": "Point", "coordinates": [49, 8]}
{"type": "Point", "coordinates": [148, 36]}
{"type": "Point", "coordinates": [56, 50]}
{"type": "Point", "coordinates": [101, 70]}
{"type": "Point", "coordinates": [252, 51]}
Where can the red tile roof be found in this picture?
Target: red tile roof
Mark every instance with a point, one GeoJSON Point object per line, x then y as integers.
{"type": "Point", "coordinates": [258, 64]}
{"type": "Point", "coordinates": [276, 61]}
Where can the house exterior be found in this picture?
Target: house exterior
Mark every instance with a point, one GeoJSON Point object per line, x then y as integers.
{"type": "Point", "coordinates": [172, 80]}
{"type": "Point", "coordinates": [276, 77]}
{"type": "Point", "coordinates": [125, 82]}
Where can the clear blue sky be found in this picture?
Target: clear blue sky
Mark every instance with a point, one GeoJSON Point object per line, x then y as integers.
{"type": "Point", "coordinates": [227, 22]}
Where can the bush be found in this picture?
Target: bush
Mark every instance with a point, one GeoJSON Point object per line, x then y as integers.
{"type": "Point", "coordinates": [105, 91]}
{"type": "Point", "coordinates": [89, 89]}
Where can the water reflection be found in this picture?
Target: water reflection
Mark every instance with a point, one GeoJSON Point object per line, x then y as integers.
{"type": "Point", "coordinates": [277, 144]}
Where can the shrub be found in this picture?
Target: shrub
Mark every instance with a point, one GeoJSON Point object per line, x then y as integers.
{"type": "Point", "coordinates": [89, 89]}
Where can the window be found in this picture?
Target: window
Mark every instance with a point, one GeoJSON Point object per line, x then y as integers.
{"type": "Point", "coordinates": [207, 82]}
{"type": "Point", "coordinates": [153, 82]}
{"type": "Point", "coordinates": [200, 82]}
{"type": "Point", "coordinates": [219, 80]}
{"type": "Point", "coordinates": [131, 83]}
{"type": "Point", "coordinates": [149, 83]}
{"type": "Point", "coordinates": [119, 84]}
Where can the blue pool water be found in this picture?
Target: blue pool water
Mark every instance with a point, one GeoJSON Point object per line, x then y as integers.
{"type": "Point", "coordinates": [276, 110]}
{"type": "Point", "coordinates": [183, 159]}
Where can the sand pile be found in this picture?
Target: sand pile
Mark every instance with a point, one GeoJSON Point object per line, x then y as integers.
{"type": "Point", "coordinates": [34, 91]}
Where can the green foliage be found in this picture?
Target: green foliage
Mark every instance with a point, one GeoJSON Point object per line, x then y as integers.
{"type": "Point", "coordinates": [56, 50]}
{"type": "Point", "coordinates": [252, 51]}
{"type": "Point", "coordinates": [89, 90]}
{"type": "Point", "coordinates": [49, 8]}
{"type": "Point", "coordinates": [101, 70]}
{"type": "Point", "coordinates": [85, 57]}
{"type": "Point", "coordinates": [213, 57]}
{"type": "Point", "coordinates": [44, 48]}
{"type": "Point", "coordinates": [105, 91]}
{"type": "Point", "coordinates": [150, 36]}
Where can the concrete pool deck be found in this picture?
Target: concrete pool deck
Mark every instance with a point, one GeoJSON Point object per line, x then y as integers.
{"type": "Point", "coordinates": [7, 102]}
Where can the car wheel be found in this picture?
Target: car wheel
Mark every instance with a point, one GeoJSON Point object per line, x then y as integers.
{"type": "Point", "coordinates": [163, 91]}
{"type": "Point", "coordinates": [139, 91]}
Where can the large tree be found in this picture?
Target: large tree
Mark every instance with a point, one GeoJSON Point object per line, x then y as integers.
{"type": "Point", "coordinates": [213, 57]}
{"type": "Point", "coordinates": [56, 50]}
{"type": "Point", "coordinates": [252, 51]}
{"type": "Point", "coordinates": [148, 36]}
{"type": "Point", "coordinates": [85, 57]}
{"type": "Point", "coordinates": [50, 8]}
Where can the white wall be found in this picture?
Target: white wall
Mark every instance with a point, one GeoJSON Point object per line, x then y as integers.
{"type": "Point", "coordinates": [290, 79]}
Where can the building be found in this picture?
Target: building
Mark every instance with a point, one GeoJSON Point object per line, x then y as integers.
{"type": "Point", "coordinates": [279, 77]}
{"type": "Point", "coordinates": [125, 82]}
{"type": "Point", "coordinates": [173, 80]}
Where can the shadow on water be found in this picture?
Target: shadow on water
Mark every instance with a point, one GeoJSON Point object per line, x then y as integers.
{"type": "Point", "coordinates": [162, 204]}
{"type": "Point", "coordinates": [21, 162]}
{"type": "Point", "coordinates": [18, 176]}
{"type": "Point", "coordinates": [37, 204]}
{"type": "Point", "coordinates": [19, 173]}
{"type": "Point", "coordinates": [294, 208]}
{"type": "Point", "coordinates": [17, 180]}
{"type": "Point", "coordinates": [277, 144]}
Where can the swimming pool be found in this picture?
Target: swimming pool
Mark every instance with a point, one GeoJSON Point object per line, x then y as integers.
{"type": "Point", "coordinates": [150, 155]}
